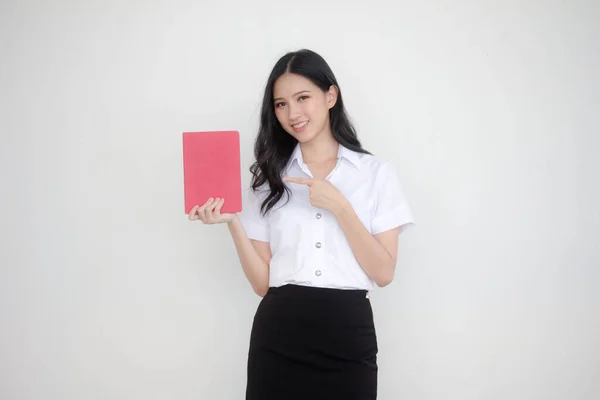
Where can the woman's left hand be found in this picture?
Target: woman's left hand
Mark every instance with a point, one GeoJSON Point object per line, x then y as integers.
{"type": "Point", "coordinates": [322, 193]}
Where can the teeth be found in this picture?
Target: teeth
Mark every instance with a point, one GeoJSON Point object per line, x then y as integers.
{"type": "Point", "coordinates": [300, 125]}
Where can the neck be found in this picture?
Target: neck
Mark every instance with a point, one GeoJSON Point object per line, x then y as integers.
{"type": "Point", "coordinates": [321, 149]}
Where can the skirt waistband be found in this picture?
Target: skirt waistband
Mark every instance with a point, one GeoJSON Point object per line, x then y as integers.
{"type": "Point", "coordinates": [314, 291]}
{"type": "Point", "coordinates": [317, 300]}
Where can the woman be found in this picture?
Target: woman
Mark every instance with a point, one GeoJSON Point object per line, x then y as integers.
{"type": "Point", "coordinates": [318, 232]}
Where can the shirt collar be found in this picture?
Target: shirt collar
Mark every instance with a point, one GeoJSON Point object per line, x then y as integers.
{"type": "Point", "coordinates": [349, 155]}
{"type": "Point", "coordinates": [343, 152]}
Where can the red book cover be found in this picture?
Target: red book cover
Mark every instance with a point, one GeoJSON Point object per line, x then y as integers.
{"type": "Point", "coordinates": [211, 168]}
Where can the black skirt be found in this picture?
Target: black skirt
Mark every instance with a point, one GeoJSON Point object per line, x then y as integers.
{"type": "Point", "coordinates": [313, 343]}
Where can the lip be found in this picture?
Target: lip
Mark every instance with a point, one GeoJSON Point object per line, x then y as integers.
{"type": "Point", "coordinates": [300, 129]}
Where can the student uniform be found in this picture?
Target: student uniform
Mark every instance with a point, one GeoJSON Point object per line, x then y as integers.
{"type": "Point", "coordinates": [313, 335]}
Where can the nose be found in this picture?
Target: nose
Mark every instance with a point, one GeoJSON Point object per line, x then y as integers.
{"type": "Point", "coordinates": [293, 112]}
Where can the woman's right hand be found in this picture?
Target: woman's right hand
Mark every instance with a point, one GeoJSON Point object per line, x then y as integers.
{"type": "Point", "coordinates": [210, 212]}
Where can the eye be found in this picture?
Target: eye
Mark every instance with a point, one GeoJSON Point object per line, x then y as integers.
{"type": "Point", "coordinates": [302, 97]}
{"type": "Point", "coordinates": [280, 104]}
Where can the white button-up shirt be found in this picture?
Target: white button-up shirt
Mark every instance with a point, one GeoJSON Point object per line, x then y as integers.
{"type": "Point", "coordinates": [307, 243]}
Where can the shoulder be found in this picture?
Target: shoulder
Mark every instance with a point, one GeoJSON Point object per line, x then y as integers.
{"type": "Point", "coordinates": [257, 195]}
{"type": "Point", "coordinates": [376, 166]}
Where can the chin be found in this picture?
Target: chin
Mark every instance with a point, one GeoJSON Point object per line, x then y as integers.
{"type": "Point", "coordinates": [306, 139]}
{"type": "Point", "coordinates": [303, 137]}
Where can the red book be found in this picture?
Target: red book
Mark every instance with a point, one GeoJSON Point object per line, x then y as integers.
{"type": "Point", "coordinates": [211, 168]}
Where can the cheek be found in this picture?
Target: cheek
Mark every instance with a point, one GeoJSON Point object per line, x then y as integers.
{"type": "Point", "coordinates": [318, 111]}
{"type": "Point", "coordinates": [280, 116]}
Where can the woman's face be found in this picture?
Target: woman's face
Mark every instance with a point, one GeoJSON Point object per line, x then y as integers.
{"type": "Point", "coordinates": [301, 107]}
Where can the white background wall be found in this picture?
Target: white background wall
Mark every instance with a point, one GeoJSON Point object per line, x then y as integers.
{"type": "Point", "coordinates": [490, 110]}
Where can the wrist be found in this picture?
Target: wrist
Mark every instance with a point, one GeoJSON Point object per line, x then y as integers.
{"type": "Point", "coordinates": [343, 208]}
{"type": "Point", "coordinates": [234, 220]}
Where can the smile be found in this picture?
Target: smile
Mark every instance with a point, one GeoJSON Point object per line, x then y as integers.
{"type": "Point", "coordinates": [300, 125]}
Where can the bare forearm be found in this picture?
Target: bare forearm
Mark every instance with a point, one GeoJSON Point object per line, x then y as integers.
{"type": "Point", "coordinates": [255, 268]}
{"type": "Point", "coordinates": [370, 254]}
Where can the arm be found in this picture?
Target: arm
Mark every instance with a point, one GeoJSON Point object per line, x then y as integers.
{"type": "Point", "coordinates": [254, 256]}
{"type": "Point", "coordinates": [376, 254]}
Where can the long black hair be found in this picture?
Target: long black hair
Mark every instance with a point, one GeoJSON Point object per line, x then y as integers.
{"type": "Point", "coordinates": [274, 146]}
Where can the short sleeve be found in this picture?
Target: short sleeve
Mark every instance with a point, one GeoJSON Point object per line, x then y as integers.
{"type": "Point", "coordinates": [392, 209]}
{"type": "Point", "coordinates": [255, 224]}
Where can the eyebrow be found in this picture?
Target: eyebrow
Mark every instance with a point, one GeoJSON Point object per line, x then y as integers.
{"type": "Point", "coordinates": [295, 94]}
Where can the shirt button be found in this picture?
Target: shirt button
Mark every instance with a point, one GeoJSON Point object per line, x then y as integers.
{"type": "Point", "coordinates": [318, 245]}
{"type": "Point", "coordinates": [318, 216]}
{"type": "Point", "coordinates": [318, 272]}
